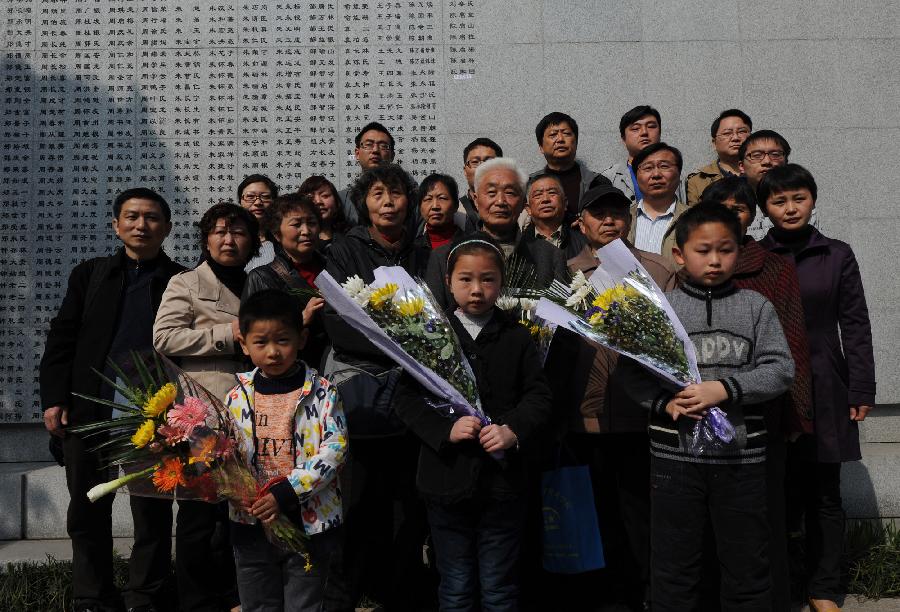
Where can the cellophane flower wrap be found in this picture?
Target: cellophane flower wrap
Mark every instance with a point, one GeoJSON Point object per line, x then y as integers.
{"type": "Point", "coordinates": [400, 316]}
{"type": "Point", "coordinates": [523, 309]}
{"type": "Point", "coordinates": [172, 438]}
{"type": "Point", "coordinates": [621, 307]}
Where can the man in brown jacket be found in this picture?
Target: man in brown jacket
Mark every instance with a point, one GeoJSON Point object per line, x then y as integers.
{"type": "Point", "coordinates": [730, 129]}
{"type": "Point", "coordinates": [618, 457]}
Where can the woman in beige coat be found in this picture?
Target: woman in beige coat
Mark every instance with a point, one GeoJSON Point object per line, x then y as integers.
{"type": "Point", "coordinates": [197, 324]}
{"type": "Point", "coordinates": [197, 320]}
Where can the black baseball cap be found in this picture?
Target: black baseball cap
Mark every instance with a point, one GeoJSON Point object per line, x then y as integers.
{"type": "Point", "coordinates": [603, 195]}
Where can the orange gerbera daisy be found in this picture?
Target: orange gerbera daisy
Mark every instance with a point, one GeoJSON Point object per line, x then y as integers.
{"type": "Point", "coordinates": [169, 475]}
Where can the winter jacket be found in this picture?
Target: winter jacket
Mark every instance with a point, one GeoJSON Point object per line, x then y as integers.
{"type": "Point", "coordinates": [513, 392]}
{"type": "Point", "coordinates": [311, 494]}
{"type": "Point", "coordinates": [358, 255]}
{"type": "Point", "coordinates": [739, 343]}
{"type": "Point", "coordinates": [571, 241]}
{"type": "Point", "coordinates": [593, 395]}
{"type": "Point", "coordinates": [840, 339]}
{"type": "Point", "coordinates": [588, 176]}
{"type": "Point", "coordinates": [776, 280]}
{"type": "Point", "coordinates": [193, 323]}
{"type": "Point", "coordinates": [83, 329]}
{"type": "Point", "coordinates": [701, 178]}
{"type": "Point", "coordinates": [281, 275]}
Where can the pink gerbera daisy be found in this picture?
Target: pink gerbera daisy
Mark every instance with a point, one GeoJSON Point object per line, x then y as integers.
{"type": "Point", "coordinates": [188, 416]}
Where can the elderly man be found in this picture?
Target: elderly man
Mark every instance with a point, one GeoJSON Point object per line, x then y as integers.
{"type": "Point", "coordinates": [557, 138]}
{"type": "Point", "coordinates": [374, 145]}
{"type": "Point", "coordinates": [476, 153]}
{"type": "Point", "coordinates": [500, 197]}
{"type": "Point", "coordinates": [108, 311]}
{"type": "Point", "coordinates": [729, 131]}
{"type": "Point", "coordinates": [658, 172]}
{"type": "Point", "coordinates": [639, 128]}
{"type": "Point", "coordinates": [547, 210]}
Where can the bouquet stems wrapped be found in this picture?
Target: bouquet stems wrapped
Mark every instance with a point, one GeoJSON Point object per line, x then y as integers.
{"type": "Point", "coordinates": [621, 308]}
{"type": "Point", "coordinates": [173, 439]}
{"type": "Point", "coordinates": [401, 317]}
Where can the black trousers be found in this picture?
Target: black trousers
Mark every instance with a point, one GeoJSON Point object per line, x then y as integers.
{"type": "Point", "coordinates": [385, 529]}
{"type": "Point", "coordinates": [814, 497]}
{"type": "Point", "coordinates": [620, 475]}
{"type": "Point", "coordinates": [685, 497]}
{"type": "Point", "coordinates": [202, 559]}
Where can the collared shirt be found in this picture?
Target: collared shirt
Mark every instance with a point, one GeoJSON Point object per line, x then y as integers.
{"type": "Point", "coordinates": [555, 238]}
{"type": "Point", "coordinates": [649, 233]}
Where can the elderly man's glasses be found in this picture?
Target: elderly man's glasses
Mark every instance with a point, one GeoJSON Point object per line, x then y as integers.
{"type": "Point", "coordinates": [727, 134]}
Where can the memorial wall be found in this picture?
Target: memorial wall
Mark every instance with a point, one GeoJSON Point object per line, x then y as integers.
{"type": "Point", "coordinates": [188, 97]}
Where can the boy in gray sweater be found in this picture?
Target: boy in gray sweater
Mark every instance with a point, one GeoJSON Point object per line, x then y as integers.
{"type": "Point", "coordinates": [745, 363]}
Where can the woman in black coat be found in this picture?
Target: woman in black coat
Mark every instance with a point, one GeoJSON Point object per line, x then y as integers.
{"type": "Point", "coordinates": [383, 549]}
{"type": "Point", "coordinates": [294, 222]}
{"type": "Point", "coordinates": [843, 368]}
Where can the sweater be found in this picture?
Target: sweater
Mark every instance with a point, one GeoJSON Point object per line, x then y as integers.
{"type": "Point", "coordinates": [739, 342]}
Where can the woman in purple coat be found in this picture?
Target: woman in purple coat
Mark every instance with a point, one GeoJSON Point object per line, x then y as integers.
{"type": "Point", "coordinates": [843, 367]}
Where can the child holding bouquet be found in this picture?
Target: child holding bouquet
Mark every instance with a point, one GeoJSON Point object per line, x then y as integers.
{"type": "Point", "coordinates": [745, 363]}
{"type": "Point", "coordinates": [473, 476]}
{"type": "Point", "coordinates": [292, 430]}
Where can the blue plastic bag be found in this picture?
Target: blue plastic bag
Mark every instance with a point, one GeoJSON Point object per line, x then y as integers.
{"type": "Point", "coordinates": [571, 534]}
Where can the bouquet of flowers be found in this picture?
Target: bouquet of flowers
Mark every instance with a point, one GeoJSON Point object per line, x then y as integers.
{"type": "Point", "coordinates": [621, 308]}
{"type": "Point", "coordinates": [523, 309]}
{"type": "Point", "coordinates": [401, 317]}
{"type": "Point", "coordinates": [172, 438]}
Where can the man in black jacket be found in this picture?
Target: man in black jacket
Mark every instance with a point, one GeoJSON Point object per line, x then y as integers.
{"type": "Point", "coordinates": [500, 198]}
{"type": "Point", "coordinates": [108, 310]}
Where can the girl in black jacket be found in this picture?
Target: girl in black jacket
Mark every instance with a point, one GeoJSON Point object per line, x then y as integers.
{"type": "Point", "coordinates": [473, 477]}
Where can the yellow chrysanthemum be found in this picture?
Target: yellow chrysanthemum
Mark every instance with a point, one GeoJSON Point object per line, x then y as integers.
{"type": "Point", "coordinates": [382, 295]}
{"type": "Point", "coordinates": [161, 400]}
{"type": "Point", "coordinates": [410, 307]}
{"type": "Point", "coordinates": [144, 434]}
{"type": "Point", "coordinates": [616, 294]}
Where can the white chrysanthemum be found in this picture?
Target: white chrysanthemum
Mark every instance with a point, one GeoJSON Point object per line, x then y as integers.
{"type": "Point", "coordinates": [354, 286]}
{"type": "Point", "coordinates": [578, 298]}
{"type": "Point", "coordinates": [363, 295]}
{"type": "Point", "coordinates": [578, 281]}
{"type": "Point", "coordinates": [507, 303]}
{"type": "Point", "coordinates": [527, 305]}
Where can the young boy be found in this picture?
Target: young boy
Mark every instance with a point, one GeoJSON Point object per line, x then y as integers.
{"type": "Point", "coordinates": [294, 432]}
{"type": "Point", "coordinates": [744, 363]}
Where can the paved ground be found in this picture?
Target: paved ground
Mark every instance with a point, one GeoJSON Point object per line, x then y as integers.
{"type": "Point", "coordinates": [18, 551]}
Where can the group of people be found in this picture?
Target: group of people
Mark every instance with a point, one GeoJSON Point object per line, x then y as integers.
{"type": "Point", "coordinates": [419, 510]}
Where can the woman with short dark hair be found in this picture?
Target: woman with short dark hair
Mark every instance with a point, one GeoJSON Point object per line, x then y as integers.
{"type": "Point", "coordinates": [381, 548]}
{"type": "Point", "coordinates": [438, 198]}
{"type": "Point", "coordinates": [256, 193]}
{"type": "Point", "coordinates": [293, 221]}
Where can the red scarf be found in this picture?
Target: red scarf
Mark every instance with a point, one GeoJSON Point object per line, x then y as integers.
{"type": "Point", "coordinates": [309, 270]}
{"type": "Point", "coordinates": [438, 237]}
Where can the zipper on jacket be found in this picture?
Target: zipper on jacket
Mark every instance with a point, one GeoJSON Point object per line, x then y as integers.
{"type": "Point", "coordinates": [709, 307]}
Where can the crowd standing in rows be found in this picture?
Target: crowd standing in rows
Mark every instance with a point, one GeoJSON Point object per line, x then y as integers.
{"type": "Point", "coordinates": [405, 506]}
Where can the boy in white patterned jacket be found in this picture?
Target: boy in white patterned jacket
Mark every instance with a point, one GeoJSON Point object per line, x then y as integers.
{"type": "Point", "coordinates": [294, 432]}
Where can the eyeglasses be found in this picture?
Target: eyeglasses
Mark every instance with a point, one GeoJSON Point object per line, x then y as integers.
{"type": "Point", "coordinates": [757, 156]}
{"type": "Point", "coordinates": [477, 161]}
{"type": "Point", "coordinates": [250, 198]}
{"type": "Point", "coordinates": [662, 166]}
{"type": "Point", "coordinates": [371, 145]}
{"type": "Point", "coordinates": [727, 134]}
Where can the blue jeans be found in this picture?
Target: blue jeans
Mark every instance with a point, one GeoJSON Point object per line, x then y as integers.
{"type": "Point", "coordinates": [272, 580]}
{"type": "Point", "coordinates": [476, 544]}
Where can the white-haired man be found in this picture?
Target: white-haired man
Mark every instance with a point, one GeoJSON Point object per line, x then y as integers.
{"type": "Point", "coordinates": [500, 197]}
